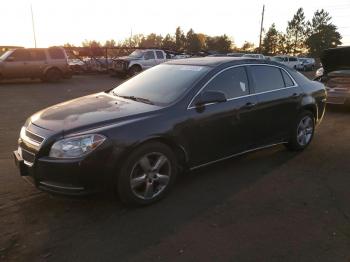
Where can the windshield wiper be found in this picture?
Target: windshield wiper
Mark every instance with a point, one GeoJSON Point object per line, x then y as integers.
{"type": "Point", "coordinates": [138, 99]}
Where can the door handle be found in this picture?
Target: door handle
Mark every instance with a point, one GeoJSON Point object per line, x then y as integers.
{"type": "Point", "coordinates": [295, 95]}
{"type": "Point", "coordinates": [249, 105]}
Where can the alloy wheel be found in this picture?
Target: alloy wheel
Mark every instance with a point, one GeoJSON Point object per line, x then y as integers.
{"type": "Point", "coordinates": [150, 175]}
{"type": "Point", "coordinates": [305, 130]}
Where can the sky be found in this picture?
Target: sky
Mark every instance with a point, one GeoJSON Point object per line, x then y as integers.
{"type": "Point", "coordinates": [73, 21]}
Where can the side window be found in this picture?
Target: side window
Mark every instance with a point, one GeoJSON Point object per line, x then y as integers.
{"type": "Point", "coordinates": [267, 78]}
{"type": "Point", "coordinates": [232, 82]}
{"type": "Point", "coordinates": [20, 55]}
{"type": "Point", "coordinates": [293, 59]}
{"type": "Point", "coordinates": [287, 80]}
{"type": "Point", "coordinates": [149, 55]}
{"type": "Point", "coordinates": [160, 54]}
{"type": "Point", "coordinates": [56, 53]}
{"type": "Point", "coordinates": [37, 55]}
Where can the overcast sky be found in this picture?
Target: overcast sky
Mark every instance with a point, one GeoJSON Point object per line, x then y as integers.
{"type": "Point", "coordinates": [59, 22]}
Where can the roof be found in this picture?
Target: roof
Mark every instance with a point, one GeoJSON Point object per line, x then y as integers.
{"type": "Point", "coordinates": [216, 61]}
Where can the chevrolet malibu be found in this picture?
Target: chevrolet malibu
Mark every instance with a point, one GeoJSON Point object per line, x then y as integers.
{"type": "Point", "coordinates": [177, 116]}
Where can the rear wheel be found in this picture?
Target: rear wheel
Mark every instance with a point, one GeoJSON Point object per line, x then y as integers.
{"type": "Point", "coordinates": [53, 75]}
{"type": "Point", "coordinates": [302, 131]}
{"type": "Point", "coordinates": [147, 174]}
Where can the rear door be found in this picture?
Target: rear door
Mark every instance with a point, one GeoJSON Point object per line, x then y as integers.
{"type": "Point", "coordinates": [278, 97]}
{"type": "Point", "coordinates": [221, 129]}
{"type": "Point", "coordinates": [16, 65]}
{"type": "Point", "coordinates": [160, 57]}
{"type": "Point", "coordinates": [37, 62]}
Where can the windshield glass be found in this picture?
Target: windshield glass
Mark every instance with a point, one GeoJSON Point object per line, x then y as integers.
{"type": "Point", "coordinates": [277, 59]}
{"type": "Point", "coordinates": [137, 54]}
{"type": "Point", "coordinates": [4, 55]}
{"type": "Point", "coordinates": [161, 85]}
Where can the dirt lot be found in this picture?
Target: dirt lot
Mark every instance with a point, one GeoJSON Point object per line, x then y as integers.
{"type": "Point", "coordinates": [271, 205]}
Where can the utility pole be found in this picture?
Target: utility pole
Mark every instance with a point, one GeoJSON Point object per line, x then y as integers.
{"type": "Point", "coordinates": [261, 27]}
{"type": "Point", "coordinates": [31, 10]}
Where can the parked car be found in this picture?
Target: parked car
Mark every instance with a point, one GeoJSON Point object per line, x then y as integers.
{"type": "Point", "coordinates": [235, 54]}
{"type": "Point", "coordinates": [256, 56]}
{"type": "Point", "coordinates": [306, 64]}
{"type": "Point", "coordinates": [48, 64]}
{"type": "Point", "coordinates": [77, 66]}
{"type": "Point", "coordinates": [290, 61]}
{"type": "Point", "coordinates": [138, 61]}
{"type": "Point", "coordinates": [335, 74]}
{"type": "Point", "coordinates": [183, 114]}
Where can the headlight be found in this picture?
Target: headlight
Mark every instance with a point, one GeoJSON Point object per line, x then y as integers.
{"type": "Point", "coordinates": [319, 72]}
{"type": "Point", "coordinates": [76, 146]}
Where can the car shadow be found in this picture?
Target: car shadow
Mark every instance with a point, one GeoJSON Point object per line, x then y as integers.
{"type": "Point", "coordinates": [75, 228]}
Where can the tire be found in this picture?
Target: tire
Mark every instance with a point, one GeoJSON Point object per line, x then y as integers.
{"type": "Point", "coordinates": [134, 70]}
{"type": "Point", "coordinates": [302, 131]}
{"type": "Point", "coordinates": [147, 174]}
{"type": "Point", "coordinates": [53, 75]}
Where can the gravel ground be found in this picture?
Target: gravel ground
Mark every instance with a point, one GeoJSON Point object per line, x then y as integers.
{"type": "Point", "coordinates": [271, 205]}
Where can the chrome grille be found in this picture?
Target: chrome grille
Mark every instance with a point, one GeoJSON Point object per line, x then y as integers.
{"type": "Point", "coordinates": [31, 138]}
{"type": "Point", "coordinates": [34, 137]}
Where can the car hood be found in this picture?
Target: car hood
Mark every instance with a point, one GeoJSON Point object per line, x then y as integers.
{"type": "Point", "coordinates": [336, 59]}
{"type": "Point", "coordinates": [128, 58]}
{"type": "Point", "coordinates": [89, 112]}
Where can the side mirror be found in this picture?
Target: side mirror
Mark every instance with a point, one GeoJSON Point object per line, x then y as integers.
{"type": "Point", "coordinates": [10, 59]}
{"type": "Point", "coordinates": [208, 97]}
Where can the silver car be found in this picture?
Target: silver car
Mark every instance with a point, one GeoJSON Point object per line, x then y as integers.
{"type": "Point", "coordinates": [48, 64]}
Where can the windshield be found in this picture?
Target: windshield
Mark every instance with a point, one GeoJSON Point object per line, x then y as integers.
{"type": "Point", "coordinates": [277, 59]}
{"type": "Point", "coordinates": [162, 84]}
{"type": "Point", "coordinates": [137, 54]}
{"type": "Point", "coordinates": [4, 55]}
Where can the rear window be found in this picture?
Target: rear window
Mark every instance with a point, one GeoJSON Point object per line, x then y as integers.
{"type": "Point", "coordinates": [56, 53]}
{"type": "Point", "coordinates": [267, 78]}
{"type": "Point", "coordinates": [160, 54]}
{"type": "Point", "coordinates": [287, 80]}
{"type": "Point", "coordinates": [37, 55]}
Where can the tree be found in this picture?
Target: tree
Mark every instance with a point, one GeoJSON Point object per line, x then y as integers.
{"type": "Point", "coordinates": [222, 44]}
{"type": "Point", "coordinates": [169, 42]}
{"type": "Point", "coordinates": [247, 47]}
{"type": "Point", "coordinates": [91, 43]}
{"type": "Point", "coordinates": [180, 39]}
{"type": "Point", "coordinates": [193, 43]}
{"type": "Point", "coordinates": [270, 42]}
{"type": "Point", "coordinates": [322, 34]}
{"type": "Point", "coordinates": [296, 32]}
{"type": "Point", "coordinates": [110, 43]}
{"type": "Point", "coordinates": [152, 40]}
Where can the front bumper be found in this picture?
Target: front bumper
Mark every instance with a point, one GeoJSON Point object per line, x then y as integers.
{"type": "Point", "coordinates": [66, 176]}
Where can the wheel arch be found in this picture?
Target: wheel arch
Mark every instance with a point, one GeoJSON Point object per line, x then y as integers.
{"type": "Point", "coordinates": [312, 108]}
{"type": "Point", "coordinates": [50, 68]}
{"type": "Point", "coordinates": [179, 150]}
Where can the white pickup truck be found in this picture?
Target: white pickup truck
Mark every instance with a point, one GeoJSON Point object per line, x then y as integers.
{"type": "Point", "coordinates": [137, 61]}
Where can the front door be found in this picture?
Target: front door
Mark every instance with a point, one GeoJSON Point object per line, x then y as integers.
{"type": "Point", "coordinates": [149, 59]}
{"type": "Point", "coordinates": [16, 65]}
{"type": "Point", "coordinates": [219, 130]}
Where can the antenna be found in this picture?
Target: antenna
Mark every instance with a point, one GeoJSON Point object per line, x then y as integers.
{"type": "Point", "coordinates": [261, 27]}
{"type": "Point", "coordinates": [31, 10]}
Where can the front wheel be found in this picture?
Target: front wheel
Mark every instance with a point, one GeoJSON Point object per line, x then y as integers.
{"type": "Point", "coordinates": [147, 174]}
{"type": "Point", "coordinates": [134, 70]}
{"type": "Point", "coordinates": [302, 131]}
